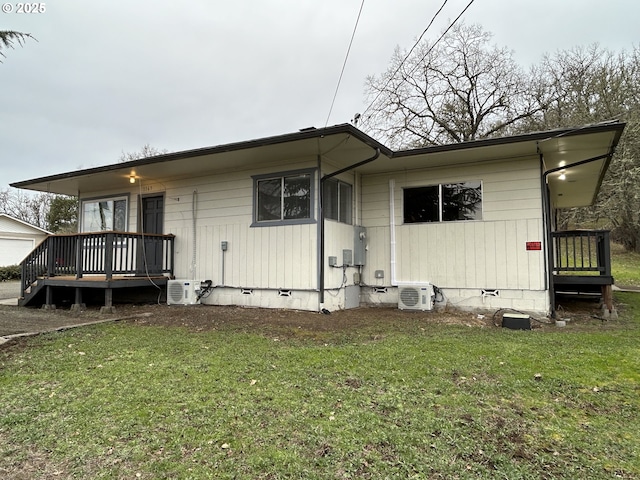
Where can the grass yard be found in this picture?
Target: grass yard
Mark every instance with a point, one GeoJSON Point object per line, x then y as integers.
{"type": "Point", "coordinates": [625, 266]}
{"type": "Point", "coordinates": [422, 400]}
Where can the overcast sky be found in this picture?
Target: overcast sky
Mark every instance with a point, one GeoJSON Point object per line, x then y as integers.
{"type": "Point", "coordinates": [109, 76]}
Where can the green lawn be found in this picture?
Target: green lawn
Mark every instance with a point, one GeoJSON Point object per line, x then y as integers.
{"type": "Point", "coordinates": [625, 266]}
{"type": "Point", "coordinates": [422, 401]}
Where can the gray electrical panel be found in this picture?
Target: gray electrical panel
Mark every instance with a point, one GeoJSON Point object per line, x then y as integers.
{"type": "Point", "coordinates": [359, 245]}
{"type": "Point", "coordinates": [347, 257]}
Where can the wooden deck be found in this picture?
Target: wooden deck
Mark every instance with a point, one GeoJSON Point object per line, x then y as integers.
{"type": "Point", "coordinates": [64, 266]}
{"type": "Point", "coordinates": [68, 289]}
{"type": "Point", "coordinates": [582, 264]}
{"type": "Point", "coordinates": [101, 281]}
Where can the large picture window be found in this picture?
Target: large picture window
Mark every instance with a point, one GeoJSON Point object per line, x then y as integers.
{"type": "Point", "coordinates": [104, 214]}
{"type": "Point", "coordinates": [283, 198]}
{"type": "Point", "coordinates": [443, 203]}
{"type": "Point", "coordinates": [338, 200]}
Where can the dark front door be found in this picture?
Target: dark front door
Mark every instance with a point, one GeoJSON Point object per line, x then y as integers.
{"type": "Point", "coordinates": [152, 216]}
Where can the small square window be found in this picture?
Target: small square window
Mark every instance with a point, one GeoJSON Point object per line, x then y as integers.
{"type": "Point", "coordinates": [422, 204]}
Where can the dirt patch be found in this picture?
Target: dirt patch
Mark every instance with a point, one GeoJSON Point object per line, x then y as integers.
{"type": "Point", "coordinates": [202, 318]}
{"type": "Point", "coordinates": [197, 318]}
{"type": "Point", "coordinates": [20, 320]}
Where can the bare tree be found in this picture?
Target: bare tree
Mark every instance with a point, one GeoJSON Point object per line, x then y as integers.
{"type": "Point", "coordinates": [145, 152]}
{"type": "Point", "coordinates": [587, 84]}
{"type": "Point", "coordinates": [590, 85]}
{"type": "Point", "coordinates": [458, 89]}
{"type": "Point", "coordinates": [26, 207]}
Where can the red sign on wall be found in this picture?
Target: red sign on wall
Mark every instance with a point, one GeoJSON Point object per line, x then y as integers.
{"type": "Point", "coordinates": [534, 245]}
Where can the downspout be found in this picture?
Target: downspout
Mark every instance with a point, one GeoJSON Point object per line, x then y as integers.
{"type": "Point", "coordinates": [392, 230]}
{"type": "Point", "coordinates": [194, 219]}
{"type": "Point", "coordinates": [547, 215]}
{"type": "Point", "coordinates": [546, 222]}
{"type": "Point", "coordinates": [321, 262]}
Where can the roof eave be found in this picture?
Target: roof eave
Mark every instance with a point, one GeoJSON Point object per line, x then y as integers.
{"type": "Point", "coordinates": [304, 134]}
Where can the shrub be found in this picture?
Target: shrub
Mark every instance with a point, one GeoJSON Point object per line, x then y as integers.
{"type": "Point", "coordinates": [12, 272]}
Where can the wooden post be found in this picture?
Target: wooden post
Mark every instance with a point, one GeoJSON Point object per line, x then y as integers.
{"type": "Point", "coordinates": [51, 257]}
{"type": "Point", "coordinates": [108, 302]}
{"type": "Point", "coordinates": [23, 278]}
{"type": "Point", "coordinates": [607, 297]}
{"type": "Point", "coordinates": [79, 256]}
{"type": "Point", "coordinates": [48, 302]}
{"type": "Point", "coordinates": [78, 305]}
{"type": "Point", "coordinates": [108, 256]}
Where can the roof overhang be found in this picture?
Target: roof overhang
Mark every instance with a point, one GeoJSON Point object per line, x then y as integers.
{"type": "Point", "coordinates": [576, 163]}
{"type": "Point", "coordinates": [344, 145]}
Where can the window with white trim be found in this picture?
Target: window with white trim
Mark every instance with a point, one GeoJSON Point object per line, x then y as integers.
{"type": "Point", "coordinates": [284, 198]}
{"type": "Point", "coordinates": [104, 214]}
{"type": "Point", "coordinates": [337, 200]}
{"type": "Point", "coordinates": [443, 202]}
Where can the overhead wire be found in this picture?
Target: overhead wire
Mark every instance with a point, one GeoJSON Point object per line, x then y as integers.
{"type": "Point", "coordinates": [413, 48]}
{"type": "Point", "coordinates": [443, 34]}
{"type": "Point", "coordinates": [344, 64]}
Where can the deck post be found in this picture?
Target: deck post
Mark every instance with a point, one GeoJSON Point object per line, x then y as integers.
{"type": "Point", "coordinates": [108, 302]}
{"type": "Point", "coordinates": [108, 255]}
{"type": "Point", "coordinates": [78, 305]}
{"type": "Point", "coordinates": [51, 259]}
{"type": "Point", "coordinates": [23, 276]}
{"type": "Point", "coordinates": [48, 302]}
{"type": "Point", "coordinates": [608, 310]}
{"type": "Point", "coordinates": [604, 254]}
{"type": "Point", "coordinates": [79, 262]}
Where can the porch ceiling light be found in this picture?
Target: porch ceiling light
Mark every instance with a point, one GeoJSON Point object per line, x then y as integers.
{"type": "Point", "coordinates": [132, 178]}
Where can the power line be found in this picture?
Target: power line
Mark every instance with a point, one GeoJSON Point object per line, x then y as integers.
{"type": "Point", "coordinates": [415, 45]}
{"type": "Point", "coordinates": [345, 63]}
{"type": "Point", "coordinates": [443, 34]}
{"type": "Point", "coordinates": [421, 35]}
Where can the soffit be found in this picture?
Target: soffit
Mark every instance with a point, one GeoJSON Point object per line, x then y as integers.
{"type": "Point", "coordinates": [342, 148]}
{"type": "Point", "coordinates": [343, 145]}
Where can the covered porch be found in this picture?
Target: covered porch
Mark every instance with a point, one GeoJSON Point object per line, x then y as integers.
{"type": "Point", "coordinates": [67, 266]}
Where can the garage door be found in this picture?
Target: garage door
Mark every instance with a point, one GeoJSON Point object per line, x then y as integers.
{"type": "Point", "coordinates": [13, 250]}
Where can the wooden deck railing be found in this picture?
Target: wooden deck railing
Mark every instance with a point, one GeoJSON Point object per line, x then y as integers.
{"type": "Point", "coordinates": [581, 252]}
{"type": "Point", "coordinates": [103, 253]}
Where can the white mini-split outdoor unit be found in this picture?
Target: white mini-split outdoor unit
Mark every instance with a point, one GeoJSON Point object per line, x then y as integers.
{"type": "Point", "coordinates": [182, 292]}
{"type": "Point", "coordinates": [413, 296]}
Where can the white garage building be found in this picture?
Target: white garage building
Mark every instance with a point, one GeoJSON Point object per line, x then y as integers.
{"type": "Point", "coordinates": [17, 239]}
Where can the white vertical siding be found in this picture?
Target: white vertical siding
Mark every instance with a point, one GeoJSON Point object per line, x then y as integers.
{"type": "Point", "coordinates": [338, 237]}
{"type": "Point", "coordinates": [278, 257]}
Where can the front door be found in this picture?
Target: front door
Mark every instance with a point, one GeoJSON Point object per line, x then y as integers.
{"type": "Point", "coordinates": [152, 217]}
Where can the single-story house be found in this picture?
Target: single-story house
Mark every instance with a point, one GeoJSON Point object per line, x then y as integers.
{"type": "Point", "coordinates": [329, 218]}
{"type": "Point", "coordinates": [17, 239]}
